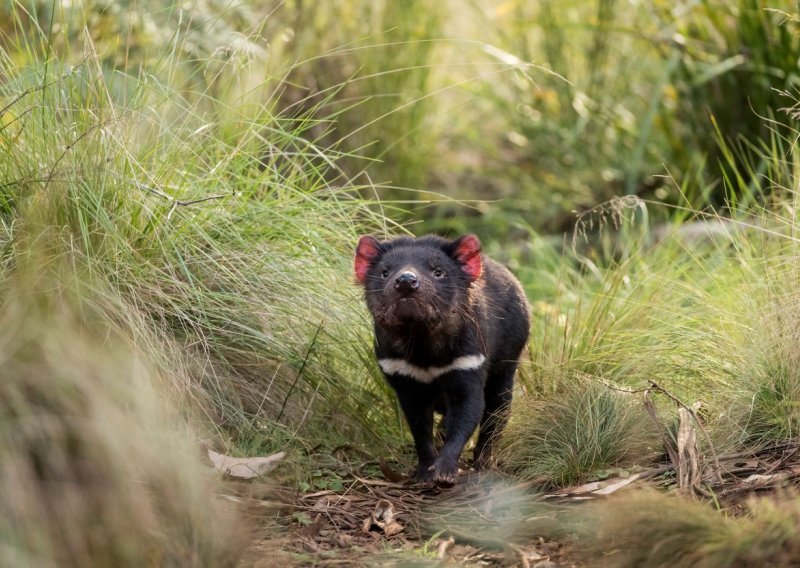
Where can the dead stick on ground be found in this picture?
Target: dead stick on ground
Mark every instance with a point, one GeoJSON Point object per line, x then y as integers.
{"type": "Point", "coordinates": [648, 473]}
{"type": "Point", "coordinates": [781, 462]}
{"type": "Point", "coordinates": [650, 408]}
{"type": "Point", "coordinates": [691, 411]}
{"type": "Point", "coordinates": [652, 412]}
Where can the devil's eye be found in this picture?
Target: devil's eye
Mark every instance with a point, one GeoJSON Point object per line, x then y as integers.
{"type": "Point", "coordinates": [438, 273]}
{"type": "Point", "coordinates": [385, 274]}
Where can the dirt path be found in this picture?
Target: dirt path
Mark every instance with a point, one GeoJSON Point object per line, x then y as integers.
{"type": "Point", "coordinates": [483, 521]}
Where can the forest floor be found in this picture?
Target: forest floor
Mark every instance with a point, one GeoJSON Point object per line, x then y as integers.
{"type": "Point", "coordinates": [378, 522]}
{"type": "Point", "coordinates": [487, 519]}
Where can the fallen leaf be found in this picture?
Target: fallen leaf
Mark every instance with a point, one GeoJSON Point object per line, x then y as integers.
{"type": "Point", "coordinates": [588, 490]}
{"type": "Point", "coordinates": [321, 504]}
{"type": "Point", "coordinates": [759, 479]}
{"type": "Point", "coordinates": [244, 468]}
{"type": "Point", "coordinates": [616, 485]}
{"type": "Point", "coordinates": [383, 518]}
{"type": "Point", "coordinates": [384, 510]}
{"type": "Point", "coordinates": [393, 528]}
{"type": "Point", "coordinates": [578, 490]}
{"type": "Point", "coordinates": [444, 548]}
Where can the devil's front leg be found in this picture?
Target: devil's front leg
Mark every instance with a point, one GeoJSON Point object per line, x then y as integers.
{"type": "Point", "coordinates": [417, 401]}
{"type": "Point", "coordinates": [464, 399]}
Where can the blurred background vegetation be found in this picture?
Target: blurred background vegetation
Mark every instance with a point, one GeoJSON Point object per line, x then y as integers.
{"type": "Point", "coordinates": [537, 109]}
{"type": "Point", "coordinates": [181, 186]}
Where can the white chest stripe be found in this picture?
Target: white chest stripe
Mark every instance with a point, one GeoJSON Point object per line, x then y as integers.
{"type": "Point", "coordinates": [428, 374]}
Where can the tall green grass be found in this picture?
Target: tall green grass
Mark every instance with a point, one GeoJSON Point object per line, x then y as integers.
{"type": "Point", "coordinates": [175, 265]}
{"type": "Point", "coordinates": [546, 108]}
{"type": "Point", "coordinates": [217, 224]}
{"type": "Point", "coordinates": [702, 311]}
{"type": "Point", "coordinates": [581, 429]}
{"type": "Point", "coordinates": [369, 66]}
{"type": "Point", "coordinates": [636, 92]}
{"type": "Point", "coordinates": [736, 67]}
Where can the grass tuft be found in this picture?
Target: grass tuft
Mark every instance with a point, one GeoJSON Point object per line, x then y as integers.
{"type": "Point", "coordinates": [651, 529]}
{"type": "Point", "coordinates": [584, 428]}
{"type": "Point", "coordinates": [98, 466]}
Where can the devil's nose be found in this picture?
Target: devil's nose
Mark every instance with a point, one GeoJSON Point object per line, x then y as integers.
{"type": "Point", "coordinates": [406, 282]}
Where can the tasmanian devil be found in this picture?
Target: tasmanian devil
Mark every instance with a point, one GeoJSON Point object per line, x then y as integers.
{"type": "Point", "coordinates": [450, 325]}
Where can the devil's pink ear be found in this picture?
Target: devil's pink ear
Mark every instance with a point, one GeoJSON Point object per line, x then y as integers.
{"type": "Point", "coordinates": [368, 251]}
{"type": "Point", "coordinates": [467, 252]}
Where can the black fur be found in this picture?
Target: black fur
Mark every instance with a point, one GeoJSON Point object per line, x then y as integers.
{"type": "Point", "coordinates": [457, 304]}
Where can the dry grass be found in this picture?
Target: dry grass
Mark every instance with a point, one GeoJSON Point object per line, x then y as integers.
{"type": "Point", "coordinates": [98, 466]}
{"type": "Point", "coordinates": [650, 529]}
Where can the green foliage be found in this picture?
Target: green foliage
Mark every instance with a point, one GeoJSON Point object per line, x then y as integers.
{"type": "Point", "coordinates": [737, 67]}
{"type": "Point", "coordinates": [775, 412]}
{"type": "Point", "coordinates": [364, 68]}
{"type": "Point", "coordinates": [207, 257]}
{"type": "Point", "coordinates": [550, 107]}
{"type": "Point", "coordinates": [212, 251]}
{"type": "Point", "coordinates": [216, 223]}
{"type": "Point", "coordinates": [586, 101]}
{"type": "Point", "coordinates": [563, 133]}
{"type": "Point", "coordinates": [767, 410]}
{"type": "Point", "coordinates": [709, 312]}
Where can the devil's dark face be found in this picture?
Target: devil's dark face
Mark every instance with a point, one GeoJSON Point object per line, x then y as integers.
{"type": "Point", "coordinates": [417, 282]}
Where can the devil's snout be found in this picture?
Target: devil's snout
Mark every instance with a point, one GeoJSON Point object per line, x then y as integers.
{"type": "Point", "coordinates": [406, 283]}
